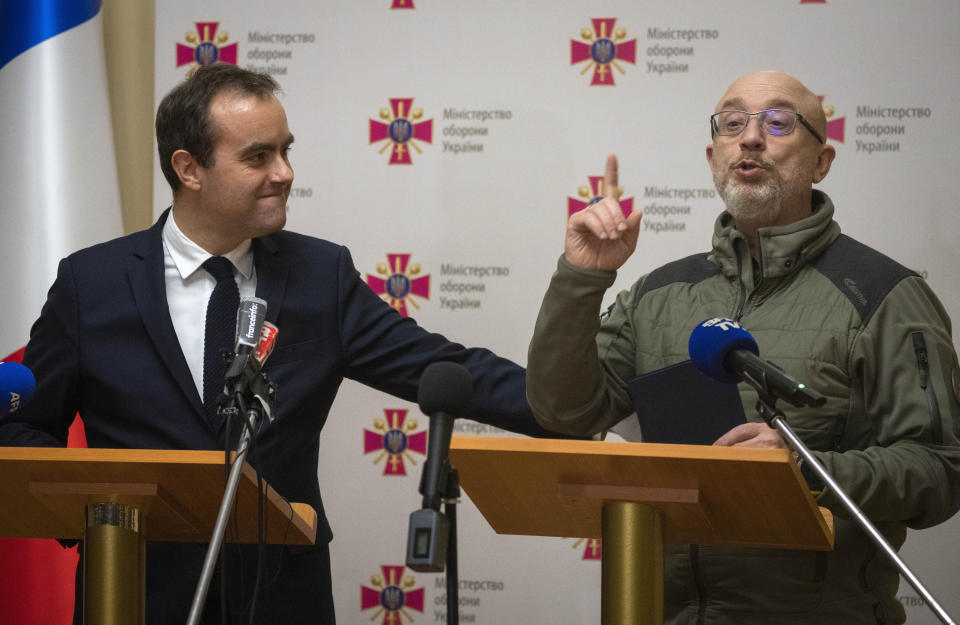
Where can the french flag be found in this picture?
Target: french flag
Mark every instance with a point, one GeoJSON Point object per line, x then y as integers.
{"type": "Point", "coordinates": [59, 193]}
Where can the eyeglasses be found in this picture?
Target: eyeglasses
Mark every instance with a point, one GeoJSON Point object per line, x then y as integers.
{"type": "Point", "coordinates": [777, 122]}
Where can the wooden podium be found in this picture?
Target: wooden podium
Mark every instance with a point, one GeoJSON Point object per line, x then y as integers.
{"type": "Point", "coordinates": [160, 495]}
{"type": "Point", "coordinates": [638, 497]}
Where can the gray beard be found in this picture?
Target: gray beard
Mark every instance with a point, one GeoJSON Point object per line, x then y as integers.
{"type": "Point", "coordinates": [758, 204]}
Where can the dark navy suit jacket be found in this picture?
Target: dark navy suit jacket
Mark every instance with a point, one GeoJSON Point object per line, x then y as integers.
{"type": "Point", "coordinates": [104, 346]}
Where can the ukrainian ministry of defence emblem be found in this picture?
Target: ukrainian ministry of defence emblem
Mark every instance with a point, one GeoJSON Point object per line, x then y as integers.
{"type": "Point", "coordinates": [592, 548]}
{"type": "Point", "coordinates": [835, 127]}
{"type": "Point", "coordinates": [602, 47]}
{"type": "Point", "coordinates": [207, 47]}
{"type": "Point", "coordinates": [398, 285]}
{"type": "Point", "coordinates": [392, 595]}
{"type": "Point", "coordinates": [594, 192]}
{"type": "Point", "coordinates": [394, 439]}
{"type": "Point", "coordinates": [400, 130]}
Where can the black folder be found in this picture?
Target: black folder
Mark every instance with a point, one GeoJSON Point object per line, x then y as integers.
{"type": "Point", "coordinates": [678, 404]}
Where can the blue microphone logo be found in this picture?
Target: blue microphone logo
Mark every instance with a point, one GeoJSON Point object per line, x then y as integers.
{"type": "Point", "coordinates": [723, 323]}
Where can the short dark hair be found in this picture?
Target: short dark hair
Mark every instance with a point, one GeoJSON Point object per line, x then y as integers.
{"type": "Point", "coordinates": [183, 117]}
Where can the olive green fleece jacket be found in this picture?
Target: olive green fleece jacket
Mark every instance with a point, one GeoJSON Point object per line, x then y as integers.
{"type": "Point", "coordinates": [846, 320]}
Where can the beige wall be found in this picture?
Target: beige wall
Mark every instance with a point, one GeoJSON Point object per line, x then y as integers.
{"type": "Point", "coordinates": [128, 37]}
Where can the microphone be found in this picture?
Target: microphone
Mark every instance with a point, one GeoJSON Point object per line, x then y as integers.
{"type": "Point", "coordinates": [16, 387]}
{"type": "Point", "coordinates": [723, 350]}
{"type": "Point", "coordinates": [445, 392]}
{"type": "Point", "coordinates": [250, 317]}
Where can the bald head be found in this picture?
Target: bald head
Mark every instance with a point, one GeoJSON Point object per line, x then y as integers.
{"type": "Point", "coordinates": [779, 89]}
{"type": "Point", "coordinates": [766, 177]}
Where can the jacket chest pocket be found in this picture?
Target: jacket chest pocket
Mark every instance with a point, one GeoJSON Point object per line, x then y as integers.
{"type": "Point", "coordinates": [304, 350]}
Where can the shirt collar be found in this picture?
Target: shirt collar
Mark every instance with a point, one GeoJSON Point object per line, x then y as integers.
{"type": "Point", "coordinates": [188, 256]}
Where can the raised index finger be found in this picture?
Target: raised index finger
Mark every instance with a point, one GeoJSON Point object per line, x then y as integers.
{"type": "Point", "coordinates": [610, 177]}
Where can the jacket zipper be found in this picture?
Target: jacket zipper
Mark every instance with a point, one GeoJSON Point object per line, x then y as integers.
{"type": "Point", "coordinates": [923, 365]}
{"type": "Point", "coordinates": [696, 566]}
{"type": "Point", "coordinates": [747, 295]}
{"type": "Point", "coordinates": [745, 300]}
{"type": "Point", "coordinates": [742, 290]}
{"type": "Point", "coordinates": [738, 313]}
{"type": "Point", "coordinates": [696, 563]}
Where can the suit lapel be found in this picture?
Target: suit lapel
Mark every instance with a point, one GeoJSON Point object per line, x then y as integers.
{"type": "Point", "coordinates": [150, 292]}
{"type": "Point", "coordinates": [272, 272]}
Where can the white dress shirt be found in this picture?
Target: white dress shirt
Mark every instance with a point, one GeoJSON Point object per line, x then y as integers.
{"type": "Point", "coordinates": [189, 287]}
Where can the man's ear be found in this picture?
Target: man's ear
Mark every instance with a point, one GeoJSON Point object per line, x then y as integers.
{"type": "Point", "coordinates": [710, 154]}
{"type": "Point", "coordinates": [187, 169]}
{"type": "Point", "coordinates": [824, 161]}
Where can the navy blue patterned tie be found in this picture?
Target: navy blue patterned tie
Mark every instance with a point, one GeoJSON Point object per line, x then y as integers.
{"type": "Point", "coordinates": [220, 330]}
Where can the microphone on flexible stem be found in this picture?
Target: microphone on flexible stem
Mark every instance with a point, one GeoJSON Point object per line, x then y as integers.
{"type": "Point", "coordinates": [16, 387]}
{"type": "Point", "coordinates": [445, 392]}
{"type": "Point", "coordinates": [250, 316]}
{"type": "Point", "coordinates": [723, 350]}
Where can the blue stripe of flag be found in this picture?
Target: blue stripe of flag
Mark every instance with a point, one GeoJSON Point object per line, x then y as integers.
{"type": "Point", "coordinates": [25, 23]}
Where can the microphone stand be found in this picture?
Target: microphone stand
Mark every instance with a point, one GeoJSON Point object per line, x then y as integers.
{"type": "Point", "coordinates": [766, 406]}
{"type": "Point", "coordinates": [438, 532]}
{"type": "Point", "coordinates": [452, 496]}
{"type": "Point", "coordinates": [445, 391]}
{"type": "Point", "coordinates": [263, 393]}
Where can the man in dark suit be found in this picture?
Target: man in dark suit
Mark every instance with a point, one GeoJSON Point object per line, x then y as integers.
{"type": "Point", "coordinates": [121, 338]}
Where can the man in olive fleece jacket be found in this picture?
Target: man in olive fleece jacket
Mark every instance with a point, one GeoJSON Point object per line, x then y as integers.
{"type": "Point", "coordinates": [851, 323]}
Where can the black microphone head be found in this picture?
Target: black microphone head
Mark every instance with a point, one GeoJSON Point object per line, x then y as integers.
{"type": "Point", "coordinates": [445, 387]}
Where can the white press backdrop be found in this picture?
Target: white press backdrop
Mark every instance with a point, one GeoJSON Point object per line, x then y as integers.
{"type": "Point", "coordinates": [507, 126]}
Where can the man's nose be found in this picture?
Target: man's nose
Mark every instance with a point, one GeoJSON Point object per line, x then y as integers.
{"type": "Point", "coordinates": [282, 172]}
{"type": "Point", "coordinates": [753, 136]}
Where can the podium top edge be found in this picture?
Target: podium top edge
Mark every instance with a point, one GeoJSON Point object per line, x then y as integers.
{"type": "Point", "coordinates": [617, 448]}
{"type": "Point", "coordinates": [96, 454]}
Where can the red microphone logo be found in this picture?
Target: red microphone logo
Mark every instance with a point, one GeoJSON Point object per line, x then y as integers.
{"type": "Point", "coordinates": [268, 340]}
